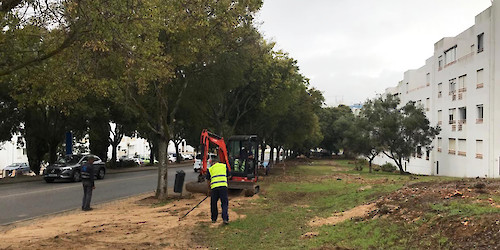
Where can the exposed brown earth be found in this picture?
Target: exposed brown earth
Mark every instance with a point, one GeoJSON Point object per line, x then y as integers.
{"type": "Point", "coordinates": [134, 223]}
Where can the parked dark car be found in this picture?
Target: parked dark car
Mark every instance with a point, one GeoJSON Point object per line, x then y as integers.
{"type": "Point", "coordinates": [69, 167]}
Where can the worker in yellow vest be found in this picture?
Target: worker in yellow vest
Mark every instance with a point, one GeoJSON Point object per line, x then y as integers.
{"type": "Point", "coordinates": [217, 180]}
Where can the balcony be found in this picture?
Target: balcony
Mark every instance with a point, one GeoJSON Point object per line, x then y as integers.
{"type": "Point", "coordinates": [479, 156]}
{"type": "Point", "coordinates": [462, 90]}
{"type": "Point", "coordinates": [451, 121]}
{"type": "Point", "coordinates": [454, 127]}
{"type": "Point", "coordinates": [479, 85]}
{"type": "Point", "coordinates": [479, 121]}
{"type": "Point", "coordinates": [461, 153]}
{"type": "Point", "coordinates": [454, 97]}
{"type": "Point", "coordinates": [460, 96]}
{"type": "Point", "coordinates": [440, 122]}
{"type": "Point", "coordinates": [451, 151]}
{"type": "Point", "coordinates": [460, 127]}
{"type": "Point", "coordinates": [439, 150]}
{"type": "Point", "coordinates": [440, 94]}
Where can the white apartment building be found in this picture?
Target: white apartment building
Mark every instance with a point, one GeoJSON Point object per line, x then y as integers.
{"type": "Point", "coordinates": [460, 92]}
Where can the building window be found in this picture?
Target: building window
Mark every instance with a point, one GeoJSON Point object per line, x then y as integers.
{"type": "Point", "coordinates": [440, 89]}
{"type": "Point", "coordinates": [462, 147]}
{"type": "Point", "coordinates": [462, 112]}
{"type": "Point", "coordinates": [479, 149]}
{"type": "Point", "coordinates": [480, 42]}
{"type": "Point", "coordinates": [440, 62]}
{"type": "Point", "coordinates": [453, 85]}
{"type": "Point", "coordinates": [451, 116]}
{"type": "Point", "coordinates": [419, 151]}
{"type": "Point", "coordinates": [450, 55]}
{"type": "Point", "coordinates": [461, 83]}
{"type": "Point", "coordinates": [440, 117]}
{"type": "Point", "coordinates": [480, 114]}
{"type": "Point", "coordinates": [427, 104]}
{"type": "Point", "coordinates": [440, 144]}
{"type": "Point", "coordinates": [451, 146]}
{"type": "Point", "coordinates": [480, 81]}
{"type": "Point", "coordinates": [428, 79]}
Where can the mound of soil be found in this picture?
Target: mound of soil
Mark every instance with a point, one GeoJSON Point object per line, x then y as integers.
{"type": "Point", "coordinates": [413, 204]}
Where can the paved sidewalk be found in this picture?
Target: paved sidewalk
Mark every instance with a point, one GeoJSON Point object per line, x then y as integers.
{"type": "Point", "coordinates": [22, 178]}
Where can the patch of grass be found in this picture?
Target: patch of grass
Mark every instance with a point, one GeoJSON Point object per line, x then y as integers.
{"type": "Point", "coordinates": [463, 209]}
{"type": "Point", "coordinates": [161, 203]}
{"type": "Point", "coordinates": [311, 170]}
{"type": "Point", "coordinates": [378, 233]}
{"type": "Point", "coordinates": [279, 218]}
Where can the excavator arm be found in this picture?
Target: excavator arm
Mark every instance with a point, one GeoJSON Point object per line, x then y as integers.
{"type": "Point", "coordinates": [206, 138]}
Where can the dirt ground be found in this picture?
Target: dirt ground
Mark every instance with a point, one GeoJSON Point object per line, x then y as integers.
{"type": "Point", "coordinates": [411, 204]}
{"type": "Point", "coordinates": [134, 223]}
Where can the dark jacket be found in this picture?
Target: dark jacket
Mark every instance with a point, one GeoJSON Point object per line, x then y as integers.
{"type": "Point", "coordinates": [88, 172]}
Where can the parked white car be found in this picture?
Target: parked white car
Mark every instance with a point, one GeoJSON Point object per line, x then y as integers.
{"type": "Point", "coordinates": [197, 161]}
{"type": "Point", "coordinates": [171, 158]}
{"type": "Point", "coordinates": [187, 157]}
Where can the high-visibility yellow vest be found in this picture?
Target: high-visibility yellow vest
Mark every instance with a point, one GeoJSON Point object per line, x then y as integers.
{"type": "Point", "coordinates": [218, 176]}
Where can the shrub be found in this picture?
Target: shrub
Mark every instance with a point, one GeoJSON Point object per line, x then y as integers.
{"type": "Point", "coordinates": [388, 167]}
{"type": "Point", "coordinates": [359, 164]}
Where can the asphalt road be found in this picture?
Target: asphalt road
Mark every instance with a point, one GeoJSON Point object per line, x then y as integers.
{"type": "Point", "coordinates": [21, 201]}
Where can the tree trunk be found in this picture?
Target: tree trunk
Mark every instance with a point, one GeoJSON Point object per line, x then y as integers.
{"type": "Point", "coordinates": [263, 151]}
{"type": "Point", "coordinates": [399, 163]}
{"type": "Point", "coordinates": [278, 149]}
{"type": "Point", "coordinates": [177, 155]}
{"type": "Point", "coordinates": [35, 151]}
{"type": "Point", "coordinates": [161, 189]}
{"type": "Point", "coordinates": [53, 152]}
{"type": "Point", "coordinates": [114, 147]}
{"type": "Point", "coordinates": [271, 156]}
{"type": "Point", "coordinates": [370, 164]}
{"type": "Point", "coordinates": [152, 149]}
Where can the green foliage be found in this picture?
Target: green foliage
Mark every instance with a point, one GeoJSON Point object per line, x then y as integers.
{"type": "Point", "coordinates": [334, 124]}
{"type": "Point", "coordinates": [398, 130]}
{"type": "Point", "coordinates": [388, 167]}
{"type": "Point", "coordinates": [360, 163]}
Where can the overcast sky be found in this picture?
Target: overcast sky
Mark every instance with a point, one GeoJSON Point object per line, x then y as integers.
{"type": "Point", "coordinates": [351, 50]}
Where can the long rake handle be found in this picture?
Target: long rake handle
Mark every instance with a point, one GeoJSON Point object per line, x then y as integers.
{"type": "Point", "coordinates": [194, 207]}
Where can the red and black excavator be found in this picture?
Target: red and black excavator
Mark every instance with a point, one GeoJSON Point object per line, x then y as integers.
{"type": "Point", "coordinates": [240, 158]}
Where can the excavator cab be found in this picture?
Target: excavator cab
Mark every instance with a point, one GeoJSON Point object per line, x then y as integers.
{"type": "Point", "coordinates": [242, 154]}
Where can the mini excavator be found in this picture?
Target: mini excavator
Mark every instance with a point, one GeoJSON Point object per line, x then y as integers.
{"type": "Point", "coordinates": [240, 157]}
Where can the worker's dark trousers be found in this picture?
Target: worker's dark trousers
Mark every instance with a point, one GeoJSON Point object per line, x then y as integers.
{"type": "Point", "coordinates": [219, 193]}
{"type": "Point", "coordinates": [87, 194]}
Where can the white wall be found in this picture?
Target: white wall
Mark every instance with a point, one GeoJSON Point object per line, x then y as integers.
{"type": "Point", "coordinates": [11, 153]}
{"type": "Point", "coordinates": [414, 87]}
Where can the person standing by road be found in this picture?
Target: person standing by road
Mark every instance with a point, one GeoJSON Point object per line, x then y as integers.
{"type": "Point", "coordinates": [87, 174]}
{"type": "Point", "coordinates": [217, 180]}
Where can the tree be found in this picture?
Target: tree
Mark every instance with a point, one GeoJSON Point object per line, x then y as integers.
{"type": "Point", "coordinates": [361, 139]}
{"type": "Point", "coordinates": [401, 130]}
{"type": "Point", "coordinates": [193, 37]}
{"type": "Point", "coordinates": [334, 121]}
